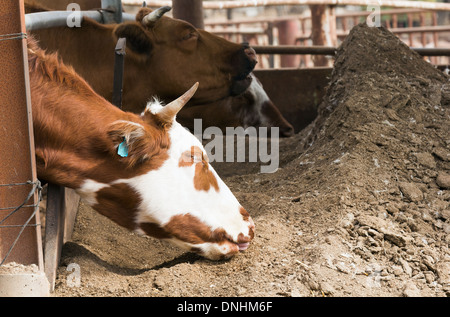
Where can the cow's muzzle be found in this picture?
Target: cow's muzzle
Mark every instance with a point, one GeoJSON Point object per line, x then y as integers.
{"type": "Point", "coordinates": [244, 62]}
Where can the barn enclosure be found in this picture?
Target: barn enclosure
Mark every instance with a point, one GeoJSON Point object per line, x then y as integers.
{"type": "Point", "coordinates": [358, 206]}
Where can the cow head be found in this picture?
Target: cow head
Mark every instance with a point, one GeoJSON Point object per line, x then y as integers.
{"type": "Point", "coordinates": [172, 46]}
{"type": "Point", "coordinates": [168, 189]}
{"type": "Point", "coordinates": [252, 108]}
{"type": "Point", "coordinates": [256, 109]}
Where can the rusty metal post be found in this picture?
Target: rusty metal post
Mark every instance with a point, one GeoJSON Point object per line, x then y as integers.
{"type": "Point", "coordinates": [16, 139]}
{"type": "Point", "coordinates": [323, 33]}
{"type": "Point", "coordinates": [20, 232]}
{"type": "Point", "coordinates": [270, 37]}
{"type": "Point", "coordinates": [190, 11]}
{"type": "Point", "coordinates": [288, 31]}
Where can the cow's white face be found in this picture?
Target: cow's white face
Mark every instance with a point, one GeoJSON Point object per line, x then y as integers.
{"type": "Point", "coordinates": [169, 190]}
{"type": "Point", "coordinates": [189, 203]}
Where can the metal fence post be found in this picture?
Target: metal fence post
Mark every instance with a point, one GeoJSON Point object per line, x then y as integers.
{"type": "Point", "coordinates": [190, 11]}
{"type": "Point", "coordinates": [119, 56]}
{"type": "Point", "coordinates": [17, 150]}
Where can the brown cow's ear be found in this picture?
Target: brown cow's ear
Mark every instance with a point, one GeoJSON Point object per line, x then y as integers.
{"type": "Point", "coordinates": [131, 142]}
{"type": "Point", "coordinates": [137, 39]}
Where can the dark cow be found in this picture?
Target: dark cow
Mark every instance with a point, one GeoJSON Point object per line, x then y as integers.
{"type": "Point", "coordinates": [252, 108]}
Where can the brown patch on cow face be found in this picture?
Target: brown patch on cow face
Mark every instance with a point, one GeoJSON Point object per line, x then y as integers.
{"type": "Point", "coordinates": [190, 229]}
{"type": "Point", "coordinates": [189, 158]}
{"type": "Point", "coordinates": [244, 213]}
{"type": "Point", "coordinates": [204, 178]}
{"type": "Point", "coordinates": [186, 228]}
{"type": "Point", "coordinates": [246, 217]}
{"type": "Point", "coordinates": [118, 202]}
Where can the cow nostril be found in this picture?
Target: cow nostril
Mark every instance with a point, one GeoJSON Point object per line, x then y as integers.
{"type": "Point", "coordinates": [250, 52]}
{"type": "Point", "coordinates": [287, 131]}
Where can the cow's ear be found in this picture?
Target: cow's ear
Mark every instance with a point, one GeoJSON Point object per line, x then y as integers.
{"type": "Point", "coordinates": [138, 40]}
{"type": "Point", "coordinates": [131, 142]}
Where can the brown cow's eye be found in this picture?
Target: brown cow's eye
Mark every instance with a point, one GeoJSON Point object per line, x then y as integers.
{"type": "Point", "coordinates": [190, 35]}
{"type": "Point", "coordinates": [187, 37]}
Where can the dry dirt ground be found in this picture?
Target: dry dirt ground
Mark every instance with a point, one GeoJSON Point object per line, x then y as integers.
{"type": "Point", "coordinates": [358, 207]}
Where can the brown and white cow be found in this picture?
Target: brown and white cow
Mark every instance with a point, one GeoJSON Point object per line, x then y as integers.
{"type": "Point", "coordinates": [145, 172]}
{"type": "Point", "coordinates": [164, 57]}
{"type": "Point", "coordinates": [252, 108]}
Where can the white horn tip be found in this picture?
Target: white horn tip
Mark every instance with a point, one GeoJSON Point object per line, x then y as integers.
{"type": "Point", "coordinates": [195, 86]}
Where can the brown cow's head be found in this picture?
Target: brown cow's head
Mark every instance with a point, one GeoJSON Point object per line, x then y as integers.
{"type": "Point", "coordinates": [178, 55]}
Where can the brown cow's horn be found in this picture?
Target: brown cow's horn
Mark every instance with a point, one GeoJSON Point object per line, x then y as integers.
{"type": "Point", "coordinates": [155, 15]}
{"type": "Point", "coordinates": [168, 112]}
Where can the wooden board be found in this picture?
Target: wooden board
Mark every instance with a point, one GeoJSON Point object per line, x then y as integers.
{"type": "Point", "coordinates": [62, 206]}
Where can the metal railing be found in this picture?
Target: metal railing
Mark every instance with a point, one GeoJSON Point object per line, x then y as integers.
{"type": "Point", "coordinates": [254, 3]}
{"type": "Point", "coordinates": [49, 19]}
{"type": "Point", "coordinates": [421, 29]}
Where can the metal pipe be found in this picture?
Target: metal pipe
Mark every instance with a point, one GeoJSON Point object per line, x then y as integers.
{"type": "Point", "coordinates": [328, 50]}
{"type": "Point", "coordinates": [254, 3]}
{"type": "Point", "coordinates": [114, 15]}
{"type": "Point", "coordinates": [43, 20]}
{"type": "Point", "coordinates": [49, 19]}
{"type": "Point", "coordinates": [432, 51]}
{"type": "Point", "coordinates": [293, 49]}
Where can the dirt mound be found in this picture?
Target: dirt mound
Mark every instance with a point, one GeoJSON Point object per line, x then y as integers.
{"type": "Point", "coordinates": [359, 207]}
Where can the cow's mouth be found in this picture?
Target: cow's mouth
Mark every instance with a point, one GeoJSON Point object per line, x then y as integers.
{"type": "Point", "coordinates": [240, 85]}
{"type": "Point", "coordinates": [243, 246]}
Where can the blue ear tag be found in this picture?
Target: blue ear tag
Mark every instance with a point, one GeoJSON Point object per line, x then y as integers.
{"type": "Point", "coordinates": [122, 150]}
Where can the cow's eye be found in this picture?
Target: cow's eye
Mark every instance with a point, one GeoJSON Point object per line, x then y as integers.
{"type": "Point", "coordinates": [196, 158]}
{"type": "Point", "coordinates": [190, 35]}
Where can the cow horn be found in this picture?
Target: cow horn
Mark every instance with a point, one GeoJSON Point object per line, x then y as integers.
{"type": "Point", "coordinates": [168, 112]}
{"type": "Point", "coordinates": [155, 15]}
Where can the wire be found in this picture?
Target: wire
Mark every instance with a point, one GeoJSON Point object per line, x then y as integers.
{"type": "Point", "coordinates": [13, 36]}
{"type": "Point", "coordinates": [36, 186]}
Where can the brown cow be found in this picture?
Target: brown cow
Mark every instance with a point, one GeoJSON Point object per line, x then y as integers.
{"type": "Point", "coordinates": [165, 57]}
{"type": "Point", "coordinates": [145, 172]}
